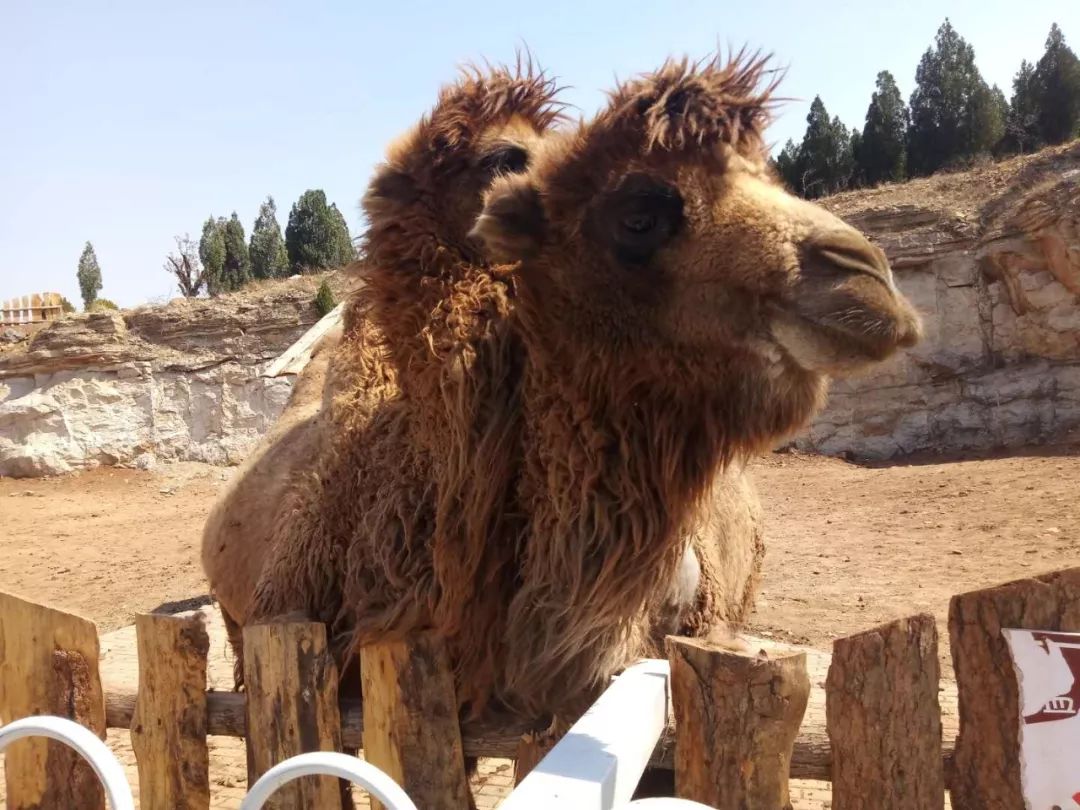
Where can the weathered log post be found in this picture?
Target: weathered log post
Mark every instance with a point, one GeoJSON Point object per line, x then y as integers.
{"type": "Point", "coordinates": [736, 719]}
{"type": "Point", "coordinates": [168, 729]}
{"type": "Point", "coordinates": [292, 708]}
{"type": "Point", "coordinates": [49, 665]}
{"type": "Point", "coordinates": [411, 728]}
{"type": "Point", "coordinates": [883, 718]}
{"type": "Point", "coordinates": [986, 765]}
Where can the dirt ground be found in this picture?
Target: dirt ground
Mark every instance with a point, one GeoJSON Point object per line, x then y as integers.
{"type": "Point", "coordinates": [849, 546]}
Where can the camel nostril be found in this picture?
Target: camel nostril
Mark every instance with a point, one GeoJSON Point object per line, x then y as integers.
{"type": "Point", "coordinates": [846, 251]}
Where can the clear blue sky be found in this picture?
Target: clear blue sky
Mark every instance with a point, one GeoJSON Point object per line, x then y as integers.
{"type": "Point", "coordinates": [128, 122]}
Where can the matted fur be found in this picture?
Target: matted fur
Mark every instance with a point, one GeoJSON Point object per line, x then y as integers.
{"type": "Point", "coordinates": [527, 494]}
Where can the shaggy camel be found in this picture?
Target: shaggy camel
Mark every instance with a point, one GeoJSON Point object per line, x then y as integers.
{"type": "Point", "coordinates": [533, 459]}
{"type": "Point", "coordinates": [484, 125]}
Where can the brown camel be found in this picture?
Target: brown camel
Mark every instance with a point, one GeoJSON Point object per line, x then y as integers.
{"type": "Point", "coordinates": [484, 125]}
{"type": "Point", "coordinates": [534, 460]}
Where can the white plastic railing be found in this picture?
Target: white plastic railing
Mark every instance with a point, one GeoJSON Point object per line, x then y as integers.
{"type": "Point", "coordinates": [329, 763]}
{"type": "Point", "coordinates": [596, 766]}
{"type": "Point", "coordinates": [101, 759]}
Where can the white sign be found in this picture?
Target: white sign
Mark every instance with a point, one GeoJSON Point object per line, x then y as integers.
{"type": "Point", "coordinates": [1048, 670]}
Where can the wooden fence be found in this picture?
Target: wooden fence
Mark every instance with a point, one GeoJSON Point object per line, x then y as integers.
{"type": "Point", "coordinates": [36, 308]}
{"type": "Point", "coordinates": [733, 730]}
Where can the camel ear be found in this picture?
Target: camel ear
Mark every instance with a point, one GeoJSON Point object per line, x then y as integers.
{"type": "Point", "coordinates": [511, 225]}
{"type": "Point", "coordinates": [389, 188]}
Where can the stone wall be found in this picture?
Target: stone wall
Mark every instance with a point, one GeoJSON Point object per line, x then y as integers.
{"type": "Point", "coordinates": [997, 281]}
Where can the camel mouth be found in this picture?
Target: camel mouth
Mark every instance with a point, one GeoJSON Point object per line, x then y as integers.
{"type": "Point", "coordinates": [844, 343]}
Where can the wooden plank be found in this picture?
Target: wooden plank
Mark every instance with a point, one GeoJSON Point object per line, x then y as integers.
{"type": "Point", "coordinates": [736, 719]}
{"type": "Point", "coordinates": [883, 718]}
{"type": "Point", "coordinates": [292, 707]}
{"type": "Point", "coordinates": [597, 765]}
{"type": "Point", "coordinates": [49, 665]}
{"type": "Point", "coordinates": [411, 728]}
{"type": "Point", "coordinates": [168, 730]}
{"type": "Point", "coordinates": [294, 358]}
{"type": "Point", "coordinates": [986, 772]}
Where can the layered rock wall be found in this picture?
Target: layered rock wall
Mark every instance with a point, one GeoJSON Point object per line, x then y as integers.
{"type": "Point", "coordinates": [995, 272]}
{"type": "Point", "coordinates": [180, 382]}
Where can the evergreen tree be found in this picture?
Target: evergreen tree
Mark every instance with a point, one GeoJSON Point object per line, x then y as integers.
{"type": "Point", "coordinates": [89, 275]}
{"type": "Point", "coordinates": [267, 249]}
{"type": "Point", "coordinates": [346, 252]}
{"type": "Point", "coordinates": [212, 255]}
{"type": "Point", "coordinates": [1022, 122]}
{"type": "Point", "coordinates": [787, 166]}
{"type": "Point", "coordinates": [324, 299]}
{"type": "Point", "coordinates": [825, 163]}
{"type": "Point", "coordinates": [858, 178]}
{"type": "Point", "coordinates": [882, 152]}
{"type": "Point", "coordinates": [1057, 90]}
{"type": "Point", "coordinates": [237, 262]}
{"type": "Point", "coordinates": [316, 235]}
{"type": "Point", "coordinates": [954, 115]}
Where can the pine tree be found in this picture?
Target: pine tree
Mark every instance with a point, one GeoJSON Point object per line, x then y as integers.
{"type": "Point", "coordinates": [825, 164]}
{"type": "Point", "coordinates": [1057, 90]}
{"type": "Point", "coordinates": [316, 235]}
{"type": "Point", "coordinates": [267, 248]}
{"type": "Point", "coordinates": [1022, 122]}
{"type": "Point", "coordinates": [324, 299]}
{"type": "Point", "coordinates": [787, 166]}
{"type": "Point", "coordinates": [346, 252]}
{"type": "Point", "coordinates": [882, 153]}
{"type": "Point", "coordinates": [237, 271]}
{"type": "Point", "coordinates": [954, 115]}
{"type": "Point", "coordinates": [89, 275]}
{"type": "Point", "coordinates": [212, 254]}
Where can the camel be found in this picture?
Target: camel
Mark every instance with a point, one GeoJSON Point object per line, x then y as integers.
{"type": "Point", "coordinates": [542, 460]}
{"type": "Point", "coordinates": [485, 124]}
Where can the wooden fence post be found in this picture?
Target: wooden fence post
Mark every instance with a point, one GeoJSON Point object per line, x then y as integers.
{"type": "Point", "coordinates": [168, 729]}
{"type": "Point", "coordinates": [986, 764]}
{"type": "Point", "coordinates": [883, 718]}
{"type": "Point", "coordinates": [736, 718]}
{"type": "Point", "coordinates": [292, 708]}
{"type": "Point", "coordinates": [49, 665]}
{"type": "Point", "coordinates": [411, 727]}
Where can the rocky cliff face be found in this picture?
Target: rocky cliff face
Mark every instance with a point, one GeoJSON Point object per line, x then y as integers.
{"type": "Point", "coordinates": [175, 382]}
{"type": "Point", "coordinates": [991, 258]}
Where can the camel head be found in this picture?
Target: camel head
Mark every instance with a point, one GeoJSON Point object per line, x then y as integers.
{"type": "Point", "coordinates": [429, 187]}
{"type": "Point", "coordinates": [658, 228]}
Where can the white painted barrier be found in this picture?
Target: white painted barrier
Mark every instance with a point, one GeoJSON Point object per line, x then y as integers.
{"type": "Point", "coordinates": [599, 763]}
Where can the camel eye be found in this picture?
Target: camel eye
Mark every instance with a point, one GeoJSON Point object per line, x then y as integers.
{"type": "Point", "coordinates": [506, 160]}
{"type": "Point", "coordinates": [639, 223]}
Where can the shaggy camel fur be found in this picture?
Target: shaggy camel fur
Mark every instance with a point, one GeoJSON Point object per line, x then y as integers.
{"type": "Point", "coordinates": [484, 125]}
{"type": "Point", "coordinates": [522, 462]}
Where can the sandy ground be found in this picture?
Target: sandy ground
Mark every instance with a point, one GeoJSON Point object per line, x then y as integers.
{"type": "Point", "coordinates": [849, 546]}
